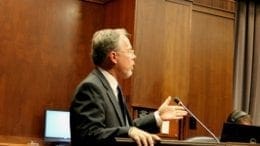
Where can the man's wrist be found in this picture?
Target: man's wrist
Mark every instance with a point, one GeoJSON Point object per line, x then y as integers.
{"type": "Point", "coordinates": [158, 118]}
{"type": "Point", "coordinates": [130, 130]}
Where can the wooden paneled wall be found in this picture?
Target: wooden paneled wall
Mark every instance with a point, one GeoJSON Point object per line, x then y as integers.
{"type": "Point", "coordinates": [44, 54]}
{"type": "Point", "coordinates": [185, 48]}
{"type": "Point", "coordinates": [44, 48]}
{"type": "Point", "coordinates": [162, 42]}
{"type": "Point", "coordinates": [212, 51]}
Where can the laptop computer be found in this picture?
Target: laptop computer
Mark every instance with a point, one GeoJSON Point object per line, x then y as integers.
{"type": "Point", "coordinates": [240, 133]}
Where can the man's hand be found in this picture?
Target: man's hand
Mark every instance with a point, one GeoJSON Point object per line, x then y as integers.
{"type": "Point", "coordinates": [169, 112]}
{"type": "Point", "coordinates": [142, 138]}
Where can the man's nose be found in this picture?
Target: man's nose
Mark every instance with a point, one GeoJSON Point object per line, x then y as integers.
{"type": "Point", "coordinates": [134, 56]}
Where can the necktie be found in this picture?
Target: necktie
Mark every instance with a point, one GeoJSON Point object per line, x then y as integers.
{"type": "Point", "coordinates": [122, 105]}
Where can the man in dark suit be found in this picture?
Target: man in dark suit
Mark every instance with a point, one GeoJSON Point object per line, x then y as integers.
{"type": "Point", "coordinates": [98, 112]}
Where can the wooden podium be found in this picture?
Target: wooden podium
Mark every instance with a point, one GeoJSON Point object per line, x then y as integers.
{"type": "Point", "coordinates": [164, 142]}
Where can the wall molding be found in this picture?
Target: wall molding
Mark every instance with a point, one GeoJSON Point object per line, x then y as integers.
{"type": "Point", "coordinates": [213, 11]}
{"type": "Point", "coordinates": [98, 1]}
{"type": "Point", "coordinates": [223, 5]}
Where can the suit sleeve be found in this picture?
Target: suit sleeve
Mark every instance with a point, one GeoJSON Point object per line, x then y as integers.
{"type": "Point", "coordinates": [147, 123]}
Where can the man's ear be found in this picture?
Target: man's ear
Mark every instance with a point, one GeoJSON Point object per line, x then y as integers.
{"type": "Point", "coordinates": [113, 57]}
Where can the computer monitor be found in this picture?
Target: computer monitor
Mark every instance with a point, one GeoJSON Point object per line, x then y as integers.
{"type": "Point", "coordinates": [57, 126]}
{"type": "Point", "coordinates": [240, 133]}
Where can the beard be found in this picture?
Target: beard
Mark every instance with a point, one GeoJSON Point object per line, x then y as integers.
{"type": "Point", "coordinates": [128, 74]}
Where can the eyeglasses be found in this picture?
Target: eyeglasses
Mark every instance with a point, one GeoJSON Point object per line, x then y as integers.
{"type": "Point", "coordinates": [129, 51]}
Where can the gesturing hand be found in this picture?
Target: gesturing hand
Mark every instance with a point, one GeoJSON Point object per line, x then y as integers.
{"type": "Point", "coordinates": [169, 112]}
{"type": "Point", "coordinates": [142, 138]}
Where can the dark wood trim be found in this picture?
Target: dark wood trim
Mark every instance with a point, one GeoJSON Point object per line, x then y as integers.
{"type": "Point", "coordinates": [182, 2]}
{"type": "Point", "coordinates": [222, 5]}
{"type": "Point", "coordinates": [213, 11]}
{"type": "Point", "coordinates": [98, 1]}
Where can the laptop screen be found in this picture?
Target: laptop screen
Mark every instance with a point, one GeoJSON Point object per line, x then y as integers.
{"type": "Point", "coordinates": [240, 133]}
{"type": "Point", "coordinates": [57, 126]}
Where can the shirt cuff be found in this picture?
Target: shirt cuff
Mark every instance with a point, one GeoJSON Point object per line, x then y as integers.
{"type": "Point", "coordinates": [158, 118]}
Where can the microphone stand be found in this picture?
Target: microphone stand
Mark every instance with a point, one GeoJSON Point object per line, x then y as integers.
{"type": "Point", "coordinates": [181, 104]}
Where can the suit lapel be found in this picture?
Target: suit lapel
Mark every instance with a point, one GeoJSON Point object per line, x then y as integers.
{"type": "Point", "coordinates": [110, 95]}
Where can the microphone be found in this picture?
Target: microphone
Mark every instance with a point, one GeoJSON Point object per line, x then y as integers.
{"type": "Point", "coordinates": [178, 101]}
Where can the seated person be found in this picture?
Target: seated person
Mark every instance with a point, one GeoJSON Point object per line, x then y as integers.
{"type": "Point", "coordinates": [239, 117]}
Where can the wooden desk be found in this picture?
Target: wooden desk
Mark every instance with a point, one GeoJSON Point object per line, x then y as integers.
{"type": "Point", "coordinates": [18, 141]}
{"type": "Point", "coordinates": [23, 141]}
{"type": "Point", "coordinates": [130, 142]}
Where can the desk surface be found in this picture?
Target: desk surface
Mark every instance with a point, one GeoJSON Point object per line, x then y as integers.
{"type": "Point", "coordinates": [23, 141]}
{"type": "Point", "coordinates": [164, 142]}
{"type": "Point", "coordinates": [19, 141]}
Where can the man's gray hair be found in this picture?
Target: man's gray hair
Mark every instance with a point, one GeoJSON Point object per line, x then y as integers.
{"type": "Point", "coordinates": [105, 41]}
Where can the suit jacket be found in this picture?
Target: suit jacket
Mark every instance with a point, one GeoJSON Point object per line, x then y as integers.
{"type": "Point", "coordinates": [95, 115]}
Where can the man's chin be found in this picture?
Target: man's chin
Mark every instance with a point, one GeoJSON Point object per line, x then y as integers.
{"type": "Point", "coordinates": [128, 75]}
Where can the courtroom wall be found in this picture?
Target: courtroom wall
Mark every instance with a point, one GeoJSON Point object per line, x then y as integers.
{"type": "Point", "coordinates": [185, 48]}
{"type": "Point", "coordinates": [45, 47]}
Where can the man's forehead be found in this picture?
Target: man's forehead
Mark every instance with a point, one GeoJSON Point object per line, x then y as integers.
{"type": "Point", "coordinates": [125, 42]}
